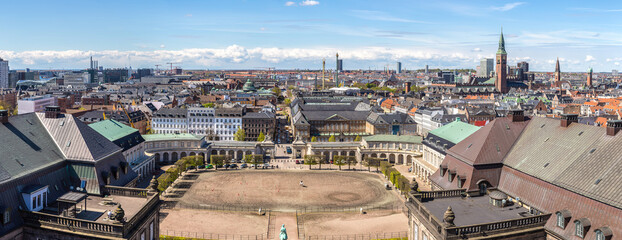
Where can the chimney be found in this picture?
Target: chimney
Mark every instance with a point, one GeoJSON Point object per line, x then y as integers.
{"type": "Point", "coordinates": [567, 119]}
{"type": "Point", "coordinates": [613, 127]}
{"type": "Point", "coordinates": [52, 111]}
{"type": "Point", "coordinates": [4, 116]}
{"type": "Point", "coordinates": [517, 115]}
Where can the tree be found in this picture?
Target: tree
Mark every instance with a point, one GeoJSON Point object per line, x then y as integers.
{"type": "Point", "coordinates": [357, 138]}
{"type": "Point", "coordinates": [240, 135]}
{"type": "Point", "coordinates": [331, 138]}
{"type": "Point", "coordinates": [218, 160]}
{"type": "Point", "coordinates": [350, 160]}
{"type": "Point", "coordinates": [287, 101]}
{"type": "Point", "coordinates": [311, 159]}
{"type": "Point", "coordinates": [372, 162]}
{"type": "Point", "coordinates": [276, 91]}
{"type": "Point", "coordinates": [339, 160]}
{"type": "Point", "coordinates": [313, 139]}
{"type": "Point", "coordinates": [417, 88]}
{"type": "Point", "coordinates": [261, 137]}
{"type": "Point", "coordinates": [253, 159]}
{"type": "Point", "coordinates": [209, 105]}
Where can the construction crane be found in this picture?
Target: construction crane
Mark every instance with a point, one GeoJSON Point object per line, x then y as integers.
{"type": "Point", "coordinates": [129, 119]}
{"type": "Point", "coordinates": [157, 71]}
{"type": "Point", "coordinates": [171, 64]}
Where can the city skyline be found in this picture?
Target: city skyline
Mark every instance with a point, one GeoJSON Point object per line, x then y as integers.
{"type": "Point", "coordinates": [298, 34]}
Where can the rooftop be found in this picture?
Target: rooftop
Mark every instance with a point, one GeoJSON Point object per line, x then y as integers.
{"type": "Point", "coordinates": [474, 210]}
{"type": "Point", "coordinates": [171, 136]}
{"type": "Point", "coordinates": [455, 131]}
{"type": "Point", "coordinates": [112, 129]}
{"type": "Point", "coordinates": [393, 138]}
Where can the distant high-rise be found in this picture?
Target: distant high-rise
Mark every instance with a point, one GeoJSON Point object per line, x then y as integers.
{"type": "Point", "coordinates": [501, 67]}
{"type": "Point", "coordinates": [426, 69]}
{"type": "Point", "coordinates": [340, 65]}
{"type": "Point", "coordinates": [485, 67]}
{"type": "Point", "coordinates": [524, 66]}
{"type": "Point", "coordinates": [589, 77]}
{"type": "Point", "coordinates": [399, 67]}
{"type": "Point", "coordinates": [614, 72]}
{"type": "Point", "coordinates": [337, 70]}
{"type": "Point", "coordinates": [558, 73]}
{"type": "Point", "coordinates": [4, 73]}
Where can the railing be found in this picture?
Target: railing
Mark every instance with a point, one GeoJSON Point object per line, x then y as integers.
{"type": "Point", "coordinates": [142, 214]}
{"type": "Point", "coordinates": [442, 194]}
{"type": "Point", "coordinates": [221, 208]}
{"type": "Point", "coordinates": [125, 191]}
{"type": "Point", "coordinates": [39, 219]}
{"type": "Point", "coordinates": [368, 236]}
{"type": "Point", "coordinates": [396, 208]}
{"type": "Point", "coordinates": [513, 224]}
{"type": "Point", "coordinates": [166, 234]}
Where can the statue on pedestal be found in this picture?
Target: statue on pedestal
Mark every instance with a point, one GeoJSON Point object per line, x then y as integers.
{"type": "Point", "coordinates": [283, 235]}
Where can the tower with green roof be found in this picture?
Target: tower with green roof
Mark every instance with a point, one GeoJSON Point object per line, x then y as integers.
{"type": "Point", "coordinates": [501, 66]}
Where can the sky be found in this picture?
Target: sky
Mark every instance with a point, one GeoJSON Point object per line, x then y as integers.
{"type": "Point", "coordinates": [298, 34]}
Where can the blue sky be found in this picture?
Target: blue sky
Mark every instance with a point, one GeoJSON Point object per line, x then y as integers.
{"type": "Point", "coordinates": [235, 34]}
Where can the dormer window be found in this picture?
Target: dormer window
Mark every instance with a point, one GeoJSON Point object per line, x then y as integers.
{"type": "Point", "coordinates": [581, 227]}
{"type": "Point", "coordinates": [6, 216]}
{"type": "Point", "coordinates": [578, 229]}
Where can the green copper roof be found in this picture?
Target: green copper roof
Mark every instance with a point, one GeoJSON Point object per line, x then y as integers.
{"type": "Point", "coordinates": [394, 138]}
{"type": "Point", "coordinates": [490, 81]}
{"type": "Point", "coordinates": [112, 129]}
{"type": "Point", "coordinates": [501, 49]}
{"type": "Point", "coordinates": [171, 136]}
{"type": "Point", "coordinates": [455, 131]}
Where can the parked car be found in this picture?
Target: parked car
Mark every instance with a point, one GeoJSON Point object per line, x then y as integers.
{"type": "Point", "coordinates": [297, 161]}
{"type": "Point", "coordinates": [209, 166]}
{"type": "Point", "coordinates": [233, 166]}
{"type": "Point", "coordinates": [218, 166]}
{"type": "Point", "coordinates": [289, 150]}
{"type": "Point", "coordinates": [227, 166]}
{"type": "Point", "coordinates": [244, 165]}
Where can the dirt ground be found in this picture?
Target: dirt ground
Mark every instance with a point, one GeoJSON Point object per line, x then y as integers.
{"type": "Point", "coordinates": [211, 222]}
{"type": "Point", "coordinates": [354, 223]}
{"type": "Point", "coordinates": [280, 190]}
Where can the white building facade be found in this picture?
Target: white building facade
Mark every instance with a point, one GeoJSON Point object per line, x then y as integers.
{"type": "Point", "coordinates": [35, 104]}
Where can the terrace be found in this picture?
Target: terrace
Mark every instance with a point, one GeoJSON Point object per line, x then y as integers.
{"type": "Point", "coordinates": [78, 213]}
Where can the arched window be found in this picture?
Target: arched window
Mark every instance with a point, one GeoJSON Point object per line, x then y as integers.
{"type": "Point", "coordinates": [578, 229]}
{"type": "Point", "coordinates": [560, 220]}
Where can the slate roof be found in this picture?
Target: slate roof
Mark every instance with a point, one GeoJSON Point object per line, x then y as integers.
{"type": "Point", "coordinates": [325, 115]}
{"type": "Point", "coordinates": [171, 113]}
{"type": "Point", "coordinates": [76, 140]}
{"type": "Point", "coordinates": [579, 158]}
{"type": "Point", "coordinates": [489, 144]}
{"type": "Point", "coordinates": [26, 147]}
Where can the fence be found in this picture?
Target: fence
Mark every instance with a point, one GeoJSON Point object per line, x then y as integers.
{"type": "Point", "coordinates": [172, 233]}
{"type": "Point", "coordinates": [368, 236]}
{"type": "Point", "coordinates": [180, 205]}
{"type": "Point", "coordinates": [396, 208]}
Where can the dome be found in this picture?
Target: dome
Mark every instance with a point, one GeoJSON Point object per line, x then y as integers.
{"type": "Point", "coordinates": [249, 86]}
{"type": "Point", "coordinates": [498, 195]}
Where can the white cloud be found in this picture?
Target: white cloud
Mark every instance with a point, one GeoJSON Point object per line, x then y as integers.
{"type": "Point", "coordinates": [189, 15]}
{"type": "Point", "coordinates": [589, 58]}
{"type": "Point", "coordinates": [309, 3]}
{"type": "Point", "coordinates": [508, 6]}
{"type": "Point", "coordinates": [617, 63]}
{"type": "Point", "coordinates": [476, 50]}
{"type": "Point", "coordinates": [290, 3]}
{"type": "Point", "coordinates": [381, 16]}
{"type": "Point", "coordinates": [162, 46]}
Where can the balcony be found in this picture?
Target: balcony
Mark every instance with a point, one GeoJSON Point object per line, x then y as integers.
{"type": "Point", "coordinates": [92, 221]}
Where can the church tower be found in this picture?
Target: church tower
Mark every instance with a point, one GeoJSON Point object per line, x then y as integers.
{"type": "Point", "coordinates": [501, 83]}
{"type": "Point", "coordinates": [589, 77]}
{"type": "Point", "coordinates": [558, 73]}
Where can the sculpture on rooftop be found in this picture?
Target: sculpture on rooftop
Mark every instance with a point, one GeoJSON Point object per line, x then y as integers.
{"type": "Point", "coordinates": [414, 187]}
{"type": "Point", "coordinates": [449, 217]}
{"type": "Point", "coordinates": [283, 235]}
{"type": "Point", "coordinates": [153, 185]}
{"type": "Point", "coordinates": [119, 214]}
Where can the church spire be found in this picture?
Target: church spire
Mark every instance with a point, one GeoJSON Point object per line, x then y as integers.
{"type": "Point", "coordinates": [557, 66]}
{"type": "Point", "coordinates": [501, 44]}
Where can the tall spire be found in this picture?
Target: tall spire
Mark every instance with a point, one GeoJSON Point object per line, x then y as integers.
{"type": "Point", "coordinates": [557, 66]}
{"type": "Point", "coordinates": [501, 44]}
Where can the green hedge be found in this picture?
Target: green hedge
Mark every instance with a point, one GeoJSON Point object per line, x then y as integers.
{"type": "Point", "coordinates": [164, 237]}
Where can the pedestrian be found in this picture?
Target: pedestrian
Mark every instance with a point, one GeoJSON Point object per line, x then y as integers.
{"type": "Point", "coordinates": [302, 184]}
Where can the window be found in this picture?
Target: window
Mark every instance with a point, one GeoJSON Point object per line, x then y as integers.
{"type": "Point", "coordinates": [578, 229]}
{"type": "Point", "coordinates": [560, 220]}
{"type": "Point", "coordinates": [416, 232]}
{"type": "Point", "coordinates": [599, 235]}
{"type": "Point", "coordinates": [6, 216]}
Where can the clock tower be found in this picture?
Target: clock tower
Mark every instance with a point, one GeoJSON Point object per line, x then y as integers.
{"type": "Point", "coordinates": [501, 83]}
